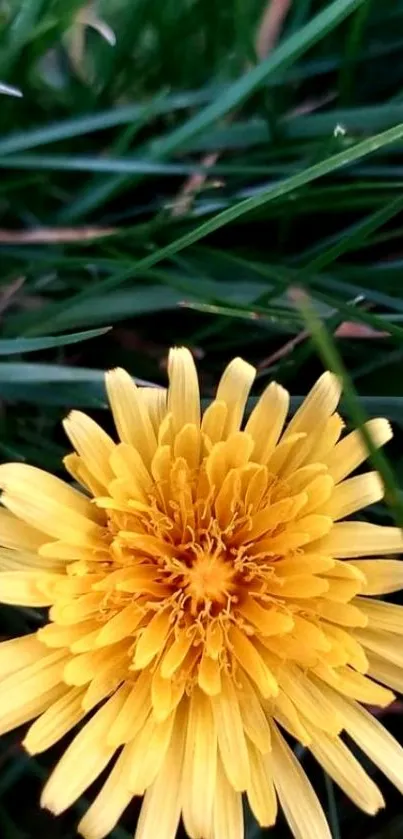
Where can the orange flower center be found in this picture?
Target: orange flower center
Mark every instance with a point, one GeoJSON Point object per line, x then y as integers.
{"type": "Point", "coordinates": [210, 580]}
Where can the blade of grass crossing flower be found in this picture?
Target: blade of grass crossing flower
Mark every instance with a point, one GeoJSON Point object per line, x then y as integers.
{"type": "Point", "coordinates": [331, 358]}
{"type": "Point", "coordinates": [325, 167]}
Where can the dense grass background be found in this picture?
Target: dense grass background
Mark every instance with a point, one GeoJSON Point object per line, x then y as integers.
{"type": "Point", "coordinates": [179, 170]}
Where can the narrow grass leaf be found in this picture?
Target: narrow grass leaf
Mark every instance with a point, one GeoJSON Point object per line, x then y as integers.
{"type": "Point", "coordinates": [330, 164]}
{"type": "Point", "coordinates": [15, 346]}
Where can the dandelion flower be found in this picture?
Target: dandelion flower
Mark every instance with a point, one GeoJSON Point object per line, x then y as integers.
{"type": "Point", "coordinates": [207, 602]}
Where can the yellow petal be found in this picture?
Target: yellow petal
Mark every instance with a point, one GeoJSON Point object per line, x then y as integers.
{"type": "Point", "coordinates": [387, 645]}
{"type": "Point", "coordinates": [68, 553]}
{"type": "Point", "coordinates": [91, 443]}
{"type": "Point", "coordinates": [297, 798]}
{"type": "Point", "coordinates": [54, 635]}
{"type": "Point", "coordinates": [261, 792]}
{"type": "Point", "coordinates": [17, 534]}
{"type": "Point", "coordinates": [22, 588]}
{"type": "Point", "coordinates": [355, 654]}
{"type": "Point", "coordinates": [253, 717]}
{"type": "Point", "coordinates": [266, 421]}
{"type": "Point", "coordinates": [209, 675]}
{"type": "Point", "coordinates": [326, 441]}
{"type": "Point", "coordinates": [231, 454]}
{"type": "Point", "coordinates": [320, 403]}
{"type": "Point", "coordinates": [133, 712]}
{"type": "Point", "coordinates": [304, 476]}
{"type": "Point", "coordinates": [176, 653]}
{"type": "Point", "coordinates": [311, 633]}
{"type": "Point", "coordinates": [372, 738]}
{"type": "Point", "coordinates": [344, 571]}
{"type": "Point", "coordinates": [300, 585]}
{"type": "Point", "coordinates": [304, 563]}
{"type": "Point", "coordinates": [285, 713]}
{"type": "Point", "coordinates": [187, 445]}
{"type": "Point", "coordinates": [345, 614]}
{"type": "Point", "coordinates": [132, 419]}
{"type": "Point", "coordinates": [79, 470]}
{"type": "Point", "coordinates": [183, 391]}
{"type": "Point", "coordinates": [152, 639]}
{"type": "Point", "coordinates": [148, 754]}
{"type": "Point", "coordinates": [337, 760]}
{"type": "Point", "coordinates": [160, 813]}
{"type": "Point", "coordinates": [352, 450]}
{"type": "Point", "coordinates": [355, 685]}
{"type": "Point", "coordinates": [319, 491]}
{"type": "Point", "coordinates": [111, 802]}
{"type": "Point", "coordinates": [55, 722]}
{"type": "Point", "coordinates": [16, 560]}
{"type": "Point", "coordinates": [128, 465]}
{"type": "Point", "coordinates": [200, 766]}
{"type": "Point", "coordinates": [233, 390]}
{"type": "Point", "coordinates": [283, 452]}
{"type": "Point", "coordinates": [386, 616]}
{"type": "Point", "coordinates": [16, 477]}
{"type": "Point", "coordinates": [84, 759]}
{"type": "Point", "coordinates": [106, 681]}
{"type": "Point", "coordinates": [122, 625]}
{"type": "Point", "coordinates": [231, 736]}
{"type": "Point", "coordinates": [358, 538]}
{"type": "Point", "coordinates": [382, 576]}
{"type": "Point", "coordinates": [161, 696]}
{"type": "Point", "coordinates": [228, 815]}
{"type": "Point", "coordinates": [214, 420]}
{"type": "Point", "coordinates": [82, 668]}
{"type": "Point", "coordinates": [30, 683]}
{"type": "Point", "coordinates": [28, 707]}
{"type": "Point", "coordinates": [342, 590]}
{"type": "Point", "coordinates": [68, 612]}
{"type": "Point", "coordinates": [354, 494]}
{"type": "Point", "coordinates": [308, 699]}
{"type": "Point", "coordinates": [19, 653]}
{"type": "Point", "coordinates": [252, 662]}
{"type": "Point", "coordinates": [57, 519]}
{"type": "Point", "coordinates": [385, 672]}
{"type": "Point", "coordinates": [269, 620]}
{"type": "Point", "coordinates": [269, 518]}
{"type": "Point", "coordinates": [155, 402]}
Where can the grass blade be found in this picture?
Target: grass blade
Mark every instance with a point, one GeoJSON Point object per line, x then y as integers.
{"type": "Point", "coordinates": [318, 170]}
{"type": "Point", "coordinates": [15, 346]}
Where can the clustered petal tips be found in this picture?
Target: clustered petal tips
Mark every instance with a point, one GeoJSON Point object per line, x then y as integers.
{"type": "Point", "coordinates": [205, 596]}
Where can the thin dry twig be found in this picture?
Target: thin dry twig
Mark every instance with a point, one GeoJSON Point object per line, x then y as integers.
{"type": "Point", "coordinates": [8, 292]}
{"type": "Point", "coordinates": [53, 235]}
{"type": "Point", "coordinates": [271, 25]}
{"type": "Point", "coordinates": [284, 350]}
{"type": "Point", "coordinates": [192, 185]}
{"type": "Point", "coordinates": [347, 329]}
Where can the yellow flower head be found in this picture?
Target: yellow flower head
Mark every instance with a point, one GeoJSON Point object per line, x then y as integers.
{"type": "Point", "coordinates": [204, 598]}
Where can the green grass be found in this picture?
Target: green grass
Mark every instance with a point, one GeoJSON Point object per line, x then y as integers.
{"type": "Point", "coordinates": [306, 192]}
